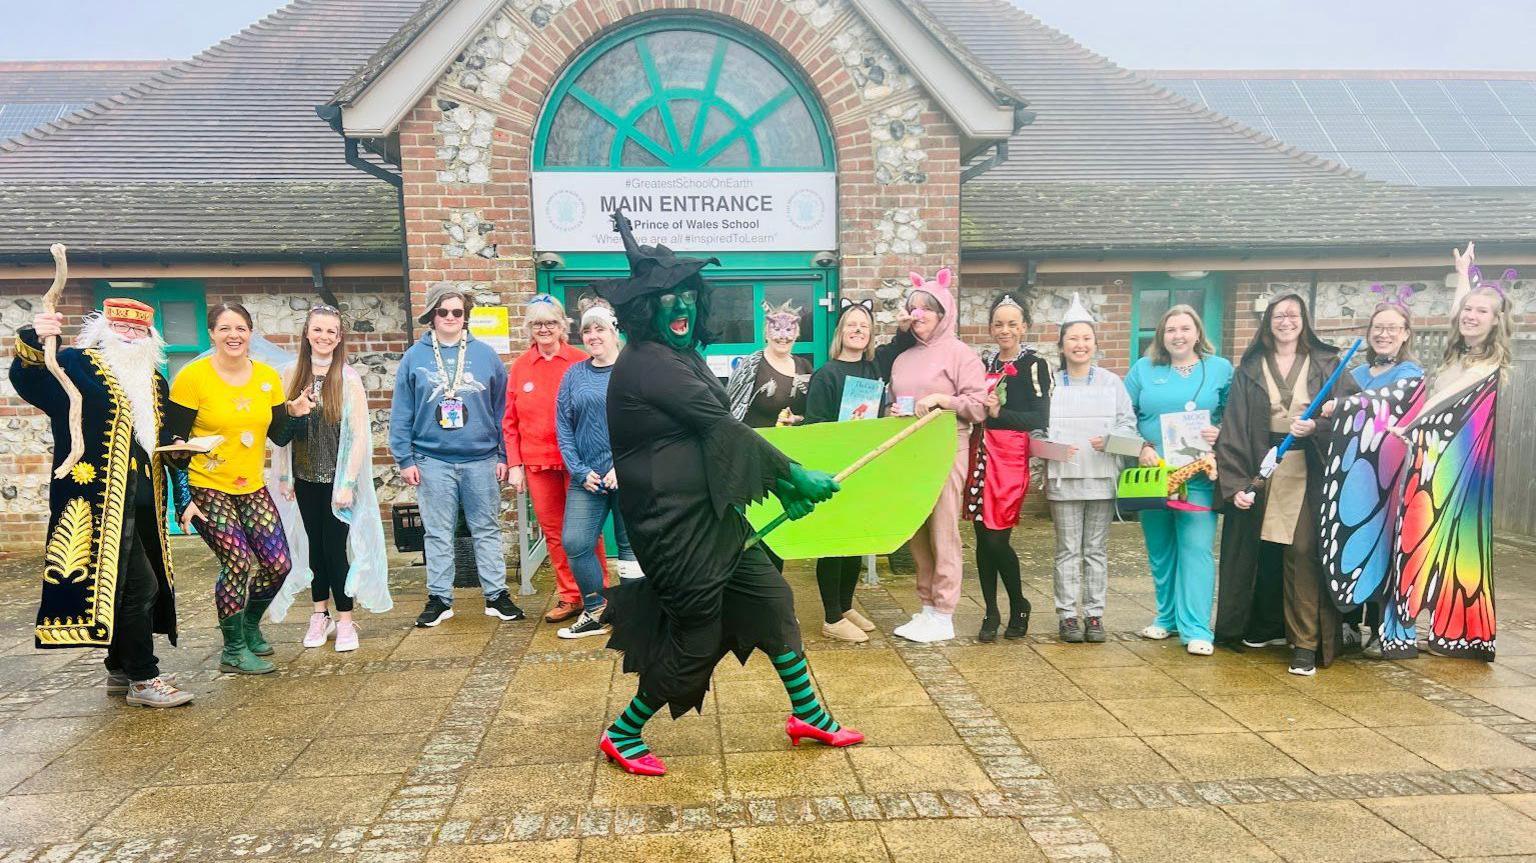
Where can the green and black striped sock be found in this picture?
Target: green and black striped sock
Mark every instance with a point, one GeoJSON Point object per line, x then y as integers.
{"type": "Point", "coordinates": [795, 672]}
{"type": "Point", "coordinates": [625, 730]}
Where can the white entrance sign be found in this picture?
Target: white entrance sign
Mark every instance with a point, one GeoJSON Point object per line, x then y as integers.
{"type": "Point", "coordinates": [758, 212]}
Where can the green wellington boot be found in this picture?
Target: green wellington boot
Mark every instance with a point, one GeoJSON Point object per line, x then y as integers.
{"type": "Point", "coordinates": [237, 658]}
{"type": "Point", "coordinates": [253, 637]}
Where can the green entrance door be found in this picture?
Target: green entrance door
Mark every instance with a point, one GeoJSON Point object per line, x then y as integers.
{"type": "Point", "coordinates": [1156, 293]}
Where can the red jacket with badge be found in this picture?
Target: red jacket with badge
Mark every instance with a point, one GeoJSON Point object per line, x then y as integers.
{"type": "Point", "coordinates": [529, 423]}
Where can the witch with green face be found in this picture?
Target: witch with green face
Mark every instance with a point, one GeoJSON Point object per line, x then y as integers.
{"type": "Point", "coordinates": [686, 470]}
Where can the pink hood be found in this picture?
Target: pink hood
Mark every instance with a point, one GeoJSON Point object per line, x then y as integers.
{"type": "Point", "coordinates": [942, 363]}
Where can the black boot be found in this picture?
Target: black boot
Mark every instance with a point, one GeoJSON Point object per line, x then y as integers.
{"type": "Point", "coordinates": [989, 626]}
{"type": "Point", "coordinates": [1018, 622]}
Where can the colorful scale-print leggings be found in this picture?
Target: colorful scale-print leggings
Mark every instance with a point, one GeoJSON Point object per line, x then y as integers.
{"type": "Point", "coordinates": [246, 535]}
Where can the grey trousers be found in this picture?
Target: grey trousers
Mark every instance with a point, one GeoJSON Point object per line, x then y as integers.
{"type": "Point", "coordinates": [1082, 554]}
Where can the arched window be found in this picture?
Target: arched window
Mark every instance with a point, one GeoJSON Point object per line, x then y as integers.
{"type": "Point", "coordinates": [682, 95]}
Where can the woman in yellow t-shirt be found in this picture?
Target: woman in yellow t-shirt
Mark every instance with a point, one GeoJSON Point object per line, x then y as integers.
{"type": "Point", "coordinates": [230, 395]}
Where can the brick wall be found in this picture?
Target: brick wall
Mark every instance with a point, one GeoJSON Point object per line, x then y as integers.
{"type": "Point", "coordinates": [467, 147]}
{"type": "Point", "coordinates": [1107, 296]}
{"type": "Point", "coordinates": [375, 311]}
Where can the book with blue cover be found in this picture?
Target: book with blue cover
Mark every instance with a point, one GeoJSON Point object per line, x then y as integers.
{"type": "Point", "coordinates": [861, 399]}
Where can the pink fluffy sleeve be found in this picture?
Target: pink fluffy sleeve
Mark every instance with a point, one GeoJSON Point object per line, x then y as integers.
{"type": "Point", "coordinates": [970, 386]}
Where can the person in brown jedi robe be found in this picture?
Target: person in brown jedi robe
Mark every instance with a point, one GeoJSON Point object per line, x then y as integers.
{"type": "Point", "coordinates": [1270, 577]}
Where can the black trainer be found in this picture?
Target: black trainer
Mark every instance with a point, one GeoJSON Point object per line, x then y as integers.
{"type": "Point", "coordinates": [1303, 662]}
{"type": "Point", "coordinates": [436, 612]}
{"type": "Point", "coordinates": [587, 624]}
{"type": "Point", "coordinates": [501, 606]}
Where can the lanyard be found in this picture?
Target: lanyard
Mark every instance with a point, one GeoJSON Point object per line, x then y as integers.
{"type": "Point", "coordinates": [458, 373]}
{"type": "Point", "coordinates": [1067, 382]}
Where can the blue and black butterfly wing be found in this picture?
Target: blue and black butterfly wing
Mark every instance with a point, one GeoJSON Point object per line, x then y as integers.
{"type": "Point", "coordinates": [1363, 469]}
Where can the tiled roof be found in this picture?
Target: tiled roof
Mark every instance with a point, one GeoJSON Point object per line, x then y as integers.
{"type": "Point", "coordinates": [387, 52]}
{"type": "Point", "coordinates": [71, 81]}
{"type": "Point", "coordinates": [1408, 127]}
{"type": "Point", "coordinates": [241, 110]}
{"type": "Point", "coordinates": [179, 220]}
{"type": "Point", "coordinates": [1097, 122]}
{"type": "Point", "coordinates": [1308, 216]}
{"type": "Point", "coordinates": [33, 93]}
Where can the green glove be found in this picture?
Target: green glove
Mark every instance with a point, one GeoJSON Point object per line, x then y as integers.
{"type": "Point", "coordinates": [803, 489]}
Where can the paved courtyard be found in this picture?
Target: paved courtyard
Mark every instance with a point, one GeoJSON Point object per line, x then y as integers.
{"type": "Point", "coordinates": [475, 742]}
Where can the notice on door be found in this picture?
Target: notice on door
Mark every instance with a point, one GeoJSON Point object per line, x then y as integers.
{"type": "Point", "coordinates": [761, 212]}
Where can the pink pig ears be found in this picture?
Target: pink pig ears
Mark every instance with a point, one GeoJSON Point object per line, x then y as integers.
{"type": "Point", "coordinates": [917, 279]}
{"type": "Point", "coordinates": [944, 277]}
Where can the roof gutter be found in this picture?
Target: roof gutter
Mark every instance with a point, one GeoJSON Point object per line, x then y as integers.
{"type": "Point", "coordinates": [331, 114]}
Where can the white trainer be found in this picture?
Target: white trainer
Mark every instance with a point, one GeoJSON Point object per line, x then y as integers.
{"type": "Point", "coordinates": [320, 628]}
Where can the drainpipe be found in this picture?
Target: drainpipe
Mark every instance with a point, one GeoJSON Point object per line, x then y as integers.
{"type": "Point", "coordinates": [317, 278]}
{"type": "Point", "coordinates": [398, 182]}
{"type": "Point", "coordinates": [999, 156]}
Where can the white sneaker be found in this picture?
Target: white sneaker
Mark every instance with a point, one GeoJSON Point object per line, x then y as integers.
{"type": "Point", "coordinates": [1155, 632]}
{"type": "Point", "coordinates": [932, 628]}
{"type": "Point", "coordinates": [629, 570]}
{"type": "Point", "coordinates": [320, 628]}
{"type": "Point", "coordinates": [346, 636]}
{"type": "Point", "coordinates": [908, 629]}
{"type": "Point", "coordinates": [1201, 647]}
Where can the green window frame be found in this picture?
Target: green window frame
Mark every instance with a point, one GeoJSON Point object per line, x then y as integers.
{"type": "Point", "coordinates": [682, 94]}
{"type": "Point", "coordinates": [1154, 293]}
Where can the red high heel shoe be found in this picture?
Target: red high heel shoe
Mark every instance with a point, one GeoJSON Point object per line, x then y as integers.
{"type": "Point", "coordinates": [797, 729]}
{"type": "Point", "coordinates": [646, 765]}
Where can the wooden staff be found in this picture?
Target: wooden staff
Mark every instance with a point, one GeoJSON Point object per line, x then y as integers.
{"type": "Point", "coordinates": [850, 470]}
{"type": "Point", "coordinates": [51, 360]}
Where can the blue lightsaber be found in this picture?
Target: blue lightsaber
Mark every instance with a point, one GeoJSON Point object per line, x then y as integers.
{"type": "Point", "coordinates": [1277, 452]}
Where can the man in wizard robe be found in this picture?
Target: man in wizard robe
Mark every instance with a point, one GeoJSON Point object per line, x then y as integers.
{"type": "Point", "coordinates": [686, 469]}
{"type": "Point", "coordinates": [107, 578]}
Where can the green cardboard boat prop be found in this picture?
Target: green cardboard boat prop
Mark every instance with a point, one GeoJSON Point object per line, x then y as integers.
{"type": "Point", "coordinates": [881, 505]}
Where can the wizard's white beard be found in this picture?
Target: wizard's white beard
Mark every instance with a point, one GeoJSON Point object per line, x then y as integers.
{"type": "Point", "coordinates": [134, 365]}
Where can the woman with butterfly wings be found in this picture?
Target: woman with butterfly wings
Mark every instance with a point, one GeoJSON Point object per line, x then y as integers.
{"type": "Point", "coordinates": [1409, 485]}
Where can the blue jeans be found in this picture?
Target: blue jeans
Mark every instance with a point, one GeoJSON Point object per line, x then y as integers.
{"type": "Point", "coordinates": [445, 487]}
{"type": "Point", "coordinates": [584, 516]}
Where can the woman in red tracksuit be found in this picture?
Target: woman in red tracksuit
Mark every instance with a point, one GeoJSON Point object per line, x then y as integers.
{"type": "Point", "coordinates": [533, 454]}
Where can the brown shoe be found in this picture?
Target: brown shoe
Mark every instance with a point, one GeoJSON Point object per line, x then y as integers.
{"type": "Point", "coordinates": [844, 630]}
{"type": "Point", "coordinates": [859, 620]}
{"type": "Point", "coordinates": [562, 611]}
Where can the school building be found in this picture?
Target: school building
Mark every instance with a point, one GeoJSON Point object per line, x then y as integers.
{"type": "Point", "coordinates": [357, 152]}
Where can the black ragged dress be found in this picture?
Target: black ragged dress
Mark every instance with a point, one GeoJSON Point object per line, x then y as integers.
{"type": "Point", "coordinates": [685, 470]}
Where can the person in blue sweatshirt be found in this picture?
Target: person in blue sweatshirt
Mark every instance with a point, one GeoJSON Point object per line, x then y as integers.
{"type": "Point", "coordinates": [445, 434]}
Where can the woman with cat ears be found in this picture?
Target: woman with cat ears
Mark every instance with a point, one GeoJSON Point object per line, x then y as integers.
{"type": "Point", "coordinates": [847, 378]}
{"type": "Point", "coordinates": [1018, 406]}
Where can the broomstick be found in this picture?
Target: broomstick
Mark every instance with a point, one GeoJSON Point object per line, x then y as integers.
{"type": "Point", "coordinates": [850, 470]}
{"type": "Point", "coordinates": [1276, 453]}
{"type": "Point", "coordinates": [51, 360]}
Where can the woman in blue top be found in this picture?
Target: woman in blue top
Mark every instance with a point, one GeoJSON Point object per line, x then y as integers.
{"type": "Point", "coordinates": [1389, 348]}
{"type": "Point", "coordinates": [581, 429]}
{"type": "Point", "coordinates": [1180, 373]}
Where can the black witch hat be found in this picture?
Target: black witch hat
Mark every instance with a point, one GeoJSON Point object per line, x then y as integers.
{"type": "Point", "coordinates": [652, 269]}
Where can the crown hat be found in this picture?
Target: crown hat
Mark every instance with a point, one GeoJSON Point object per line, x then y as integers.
{"type": "Point", "coordinates": [120, 310]}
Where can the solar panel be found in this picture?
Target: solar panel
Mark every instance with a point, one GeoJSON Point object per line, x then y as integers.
{"type": "Point", "coordinates": [1452, 132]}
{"type": "Point", "coordinates": [1518, 96]}
{"type": "Point", "coordinates": [1379, 166]}
{"type": "Point", "coordinates": [1351, 132]}
{"type": "Point", "coordinates": [1301, 131]}
{"type": "Point", "coordinates": [1426, 97]}
{"type": "Point", "coordinates": [16, 118]}
{"type": "Point", "coordinates": [1474, 97]}
{"type": "Point", "coordinates": [1523, 165]}
{"type": "Point", "coordinates": [1502, 132]}
{"type": "Point", "coordinates": [1430, 169]}
{"type": "Point", "coordinates": [1402, 132]}
{"type": "Point", "coordinates": [1328, 97]}
{"type": "Point", "coordinates": [1277, 96]}
{"type": "Point", "coordinates": [1228, 97]}
{"type": "Point", "coordinates": [1376, 96]}
{"type": "Point", "coordinates": [1482, 169]}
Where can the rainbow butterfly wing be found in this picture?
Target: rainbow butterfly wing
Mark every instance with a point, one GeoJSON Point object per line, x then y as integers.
{"type": "Point", "coordinates": [1445, 530]}
{"type": "Point", "coordinates": [1363, 468]}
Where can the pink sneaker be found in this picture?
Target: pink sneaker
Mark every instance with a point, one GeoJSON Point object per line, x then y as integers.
{"type": "Point", "coordinates": [320, 627]}
{"type": "Point", "coordinates": [346, 636]}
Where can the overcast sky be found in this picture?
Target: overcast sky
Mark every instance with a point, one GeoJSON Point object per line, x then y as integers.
{"type": "Point", "coordinates": [1138, 34]}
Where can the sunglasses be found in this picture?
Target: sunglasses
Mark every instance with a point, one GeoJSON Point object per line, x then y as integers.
{"type": "Point", "coordinates": [450, 313]}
